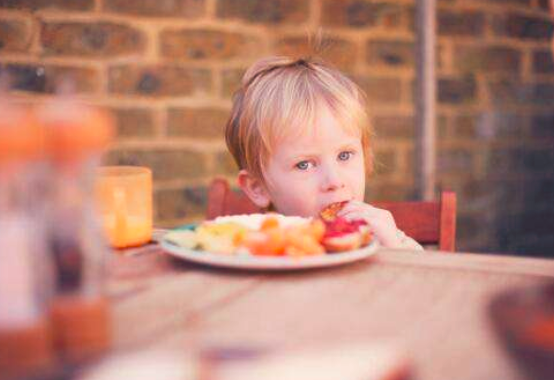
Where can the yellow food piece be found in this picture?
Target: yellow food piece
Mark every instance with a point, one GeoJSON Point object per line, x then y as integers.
{"type": "Point", "coordinates": [186, 239]}
{"type": "Point", "coordinates": [221, 237]}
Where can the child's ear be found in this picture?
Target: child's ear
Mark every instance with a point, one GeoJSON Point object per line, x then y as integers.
{"type": "Point", "coordinates": [254, 188]}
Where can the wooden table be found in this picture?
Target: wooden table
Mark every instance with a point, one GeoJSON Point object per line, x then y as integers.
{"type": "Point", "coordinates": [434, 305]}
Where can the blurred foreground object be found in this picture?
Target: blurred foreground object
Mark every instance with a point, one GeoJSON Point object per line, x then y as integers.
{"type": "Point", "coordinates": [124, 195]}
{"type": "Point", "coordinates": [25, 338]}
{"type": "Point", "coordinates": [76, 135]}
{"type": "Point", "coordinates": [524, 321]}
{"type": "Point", "coordinates": [346, 361]}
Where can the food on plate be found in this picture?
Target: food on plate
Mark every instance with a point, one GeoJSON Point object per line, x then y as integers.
{"type": "Point", "coordinates": [273, 235]}
{"type": "Point", "coordinates": [220, 237]}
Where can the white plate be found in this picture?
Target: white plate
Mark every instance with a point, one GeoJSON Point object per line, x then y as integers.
{"type": "Point", "coordinates": [268, 263]}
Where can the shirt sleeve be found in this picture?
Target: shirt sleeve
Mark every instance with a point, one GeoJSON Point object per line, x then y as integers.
{"type": "Point", "coordinates": [407, 242]}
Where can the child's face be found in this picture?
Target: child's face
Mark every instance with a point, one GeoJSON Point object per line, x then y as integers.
{"type": "Point", "coordinates": [307, 173]}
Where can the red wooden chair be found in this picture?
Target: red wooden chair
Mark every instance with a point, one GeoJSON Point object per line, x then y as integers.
{"type": "Point", "coordinates": [427, 222]}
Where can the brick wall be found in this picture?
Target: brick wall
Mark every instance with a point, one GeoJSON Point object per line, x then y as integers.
{"type": "Point", "coordinates": [168, 68]}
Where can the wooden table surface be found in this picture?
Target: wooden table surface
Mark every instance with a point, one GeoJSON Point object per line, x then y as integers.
{"type": "Point", "coordinates": [432, 305]}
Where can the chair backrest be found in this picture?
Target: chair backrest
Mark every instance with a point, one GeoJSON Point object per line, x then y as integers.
{"type": "Point", "coordinates": [431, 222]}
{"type": "Point", "coordinates": [222, 200]}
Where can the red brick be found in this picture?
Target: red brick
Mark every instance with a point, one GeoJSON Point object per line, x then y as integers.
{"type": "Point", "coordinates": [66, 5]}
{"type": "Point", "coordinates": [542, 62]}
{"type": "Point", "coordinates": [263, 11]}
{"type": "Point", "coordinates": [385, 162]}
{"type": "Point", "coordinates": [188, 9]}
{"type": "Point", "coordinates": [499, 124]}
{"type": "Point", "coordinates": [339, 52]}
{"type": "Point", "coordinates": [134, 122]}
{"type": "Point", "coordinates": [231, 81]}
{"type": "Point", "coordinates": [380, 89]}
{"type": "Point", "coordinates": [443, 123]}
{"type": "Point", "coordinates": [450, 23]}
{"type": "Point", "coordinates": [488, 59]}
{"type": "Point", "coordinates": [472, 126]}
{"type": "Point", "coordinates": [45, 78]}
{"type": "Point", "coordinates": [363, 13]}
{"type": "Point", "coordinates": [457, 90]}
{"type": "Point", "coordinates": [387, 191]}
{"type": "Point", "coordinates": [15, 36]}
{"type": "Point", "coordinates": [180, 203]}
{"type": "Point", "coordinates": [390, 53]}
{"type": "Point", "coordinates": [465, 126]}
{"type": "Point", "coordinates": [205, 123]}
{"type": "Point", "coordinates": [507, 91]}
{"type": "Point", "coordinates": [84, 80]}
{"type": "Point", "coordinates": [161, 80]}
{"type": "Point", "coordinates": [165, 164]}
{"type": "Point", "coordinates": [102, 39]}
{"type": "Point", "coordinates": [455, 161]}
{"type": "Point", "coordinates": [193, 45]}
{"type": "Point", "coordinates": [522, 27]}
{"type": "Point", "coordinates": [394, 126]}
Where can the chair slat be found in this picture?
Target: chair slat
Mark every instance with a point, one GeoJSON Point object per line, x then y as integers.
{"type": "Point", "coordinates": [419, 220]}
{"type": "Point", "coordinates": [447, 239]}
{"type": "Point", "coordinates": [222, 200]}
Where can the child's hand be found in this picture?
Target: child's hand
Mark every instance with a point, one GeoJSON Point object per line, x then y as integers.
{"type": "Point", "coordinates": [379, 221]}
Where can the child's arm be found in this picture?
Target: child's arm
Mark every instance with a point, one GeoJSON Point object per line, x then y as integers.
{"type": "Point", "coordinates": [382, 224]}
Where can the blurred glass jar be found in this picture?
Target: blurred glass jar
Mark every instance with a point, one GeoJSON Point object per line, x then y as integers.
{"type": "Point", "coordinates": [76, 135]}
{"type": "Point", "coordinates": [124, 195]}
{"type": "Point", "coordinates": [24, 270]}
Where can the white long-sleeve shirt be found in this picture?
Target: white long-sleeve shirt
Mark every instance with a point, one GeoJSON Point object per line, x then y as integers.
{"type": "Point", "coordinates": [406, 242]}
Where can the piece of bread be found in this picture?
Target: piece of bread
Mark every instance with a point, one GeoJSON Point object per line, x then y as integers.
{"type": "Point", "coordinates": [367, 235]}
{"type": "Point", "coordinates": [330, 212]}
{"type": "Point", "coordinates": [345, 235]}
{"type": "Point", "coordinates": [341, 243]}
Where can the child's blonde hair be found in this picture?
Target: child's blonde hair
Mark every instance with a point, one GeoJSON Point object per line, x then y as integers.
{"type": "Point", "coordinates": [280, 96]}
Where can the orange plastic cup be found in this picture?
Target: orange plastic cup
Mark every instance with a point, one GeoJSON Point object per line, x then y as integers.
{"type": "Point", "coordinates": [124, 194]}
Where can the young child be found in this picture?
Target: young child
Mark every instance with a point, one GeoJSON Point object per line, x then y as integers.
{"type": "Point", "coordinates": [300, 135]}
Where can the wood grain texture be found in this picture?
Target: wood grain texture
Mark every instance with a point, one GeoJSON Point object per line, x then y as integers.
{"type": "Point", "coordinates": [431, 305]}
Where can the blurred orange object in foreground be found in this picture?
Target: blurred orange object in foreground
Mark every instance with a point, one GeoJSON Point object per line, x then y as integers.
{"type": "Point", "coordinates": [124, 194]}
{"type": "Point", "coordinates": [524, 321]}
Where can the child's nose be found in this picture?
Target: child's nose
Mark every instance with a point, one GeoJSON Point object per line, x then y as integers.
{"type": "Point", "coordinates": [332, 179]}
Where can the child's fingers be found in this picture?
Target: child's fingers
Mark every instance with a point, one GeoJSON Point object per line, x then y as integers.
{"type": "Point", "coordinates": [359, 207]}
{"type": "Point", "coordinates": [372, 215]}
{"type": "Point", "coordinates": [354, 215]}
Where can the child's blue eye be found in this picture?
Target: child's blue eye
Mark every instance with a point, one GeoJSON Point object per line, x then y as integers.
{"type": "Point", "coordinates": [345, 156]}
{"type": "Point", "coordinates": [303, 165]}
